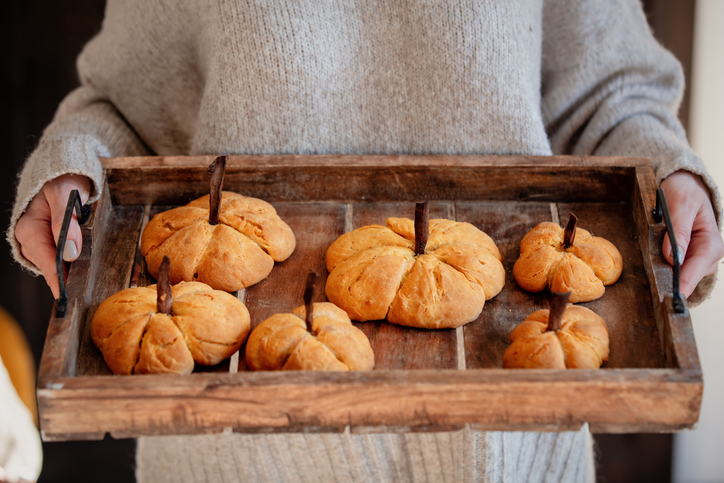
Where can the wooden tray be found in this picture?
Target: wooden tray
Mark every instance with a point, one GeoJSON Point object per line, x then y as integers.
{"type": "Point", "coordinates": [423, 380]}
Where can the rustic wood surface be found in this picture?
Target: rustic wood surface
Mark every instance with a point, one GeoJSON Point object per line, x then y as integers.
{"type": "Point", "coordinates": [113, 275]}
{"type": "Point", "coordinates": [651, 383]}
{"type": "Point", "coordinates": [171, 180]}
{"type": "Point", "coordinates": [487, 338]}
{"type": "Point", "coordinates": [614, 400]}
{"type": "Point", "coordinates": [315, 227]}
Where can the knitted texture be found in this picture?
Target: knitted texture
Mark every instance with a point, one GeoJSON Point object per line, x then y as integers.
{"type": "Point", "coordinates": [460, 456]}
{"type": "Point", "coordinates": [329, 77]}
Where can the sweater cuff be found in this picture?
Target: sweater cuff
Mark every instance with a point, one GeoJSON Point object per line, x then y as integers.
{"type": "Point", "coordinates": [54, 158]}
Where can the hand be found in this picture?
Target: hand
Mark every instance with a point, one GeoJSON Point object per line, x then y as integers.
{"type": "Point", "coordinates": [697, 235]}
{"type": "Point", "coordinates": [38, 229]}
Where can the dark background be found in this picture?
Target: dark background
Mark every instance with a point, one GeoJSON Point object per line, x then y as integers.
{"type": "Point", "coordinates": [41, 40]}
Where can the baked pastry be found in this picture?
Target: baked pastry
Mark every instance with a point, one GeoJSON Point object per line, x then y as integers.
{"type": "Point", "coordinates": [565, 337]}
{"type": "Point", "coordinates": [400, 273]}
{"type": "Point", "coordinates": [152, 330]}
{"type": "Point", "coordinates": [229, 245]}
{"type": "Point", "coordinates": [567, 260]}
{"type": "Point", "coordinates": [283, 342]}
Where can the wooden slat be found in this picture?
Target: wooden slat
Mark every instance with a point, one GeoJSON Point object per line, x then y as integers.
{"type": "Point", "coordinates": [382, 178]}
{"type": "Point", "coordinates": [398, 347]}
{"type": "Point", "coordinates": [354, 160]}
{"type": "Point", "coordinates": [628, 400]}
{"type": "Point", "coordinates": [315, 227]}
{"type": "Point", "coordinates": [487, 338]}
{"type": "Point", "coordinates": [112, 275]}
{"type": "Point", "coordinates": [625, 305]}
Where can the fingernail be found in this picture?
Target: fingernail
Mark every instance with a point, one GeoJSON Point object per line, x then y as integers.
{"type": "Point", "coordinates": [680, 256]}
{"type": "Point", "coordinates": [70, 251]}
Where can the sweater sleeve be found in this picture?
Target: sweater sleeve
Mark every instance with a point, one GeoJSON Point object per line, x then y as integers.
{"type": "Point", "coordinates": [610, 89]}
{"type": "Point", "coordinates": [86, 126]}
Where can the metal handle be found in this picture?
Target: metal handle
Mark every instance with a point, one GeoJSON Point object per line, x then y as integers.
{"type": "Point", "coordinates": [662, 212]}
{"type": "Point", "coordinates": [83, 213]}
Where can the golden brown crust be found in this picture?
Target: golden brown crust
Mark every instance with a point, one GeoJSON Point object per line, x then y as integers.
{"type": "Point", "coordinates": [435, 296]}
{"type": "Point", "coordinates": [206, 326]}
{"type": "Point", "coordinates": [237, 252]}
{"type": "Point", "coordinates": [584, 268]}
{"type": "Point", "coordinates": [361, 239]}
{"type": "Point", "coordinates": [282, 342]}
{"type": "Point", "coordinates": [581, 343]}
{"type": "Point", "coordinates": [366, 283]}
{"type": "Point", "coordinates": [375, 274]}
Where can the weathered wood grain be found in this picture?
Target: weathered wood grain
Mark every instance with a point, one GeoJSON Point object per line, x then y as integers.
{"type": "Point", "coordinates": [383, 178]}
{"type": "Point", "coordinates": [112, 275]}
{"type": "Point", "coordinates": [487, 338]}
{"type": "Point", "coordinates": [315, 227]}
{"type": "Point", "coordinates": [613, 400]}
{"type": "Point", "coordinates": [398, 347]}
{"type": "Point", "coordinates": [366, 160]}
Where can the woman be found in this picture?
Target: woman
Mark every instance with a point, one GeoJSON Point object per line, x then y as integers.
{"type": "Point", "coordinates": [526, 77]}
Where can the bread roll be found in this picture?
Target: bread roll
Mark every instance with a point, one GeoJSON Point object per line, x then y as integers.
{"type": "Point", "coordinates": [375, 274]}
{"type": "Point", "coordinates": [282, 342]}
{"type": "Point", "coordinates": [581, 343]}
{"type": "Point", "coordinates": [237, 252]}
{"type": "Point", "coordinates": [206, 326]}
{"type": "Point", "coordinates": [583, 269]}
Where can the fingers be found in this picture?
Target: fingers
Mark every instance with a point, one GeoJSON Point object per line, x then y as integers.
{"type": "Point", "coordinates": [699, 263]}
{"type": "Point", "coordinates": [35, 237]}
{"type": "Point", "coordinates": [694, 223]}
{"type": "Point", "coordinates": [684, 207]}
{"type": "Point", "coordinates": [38, 228]}
{"type": "Point", "coordinates": [57, 193]}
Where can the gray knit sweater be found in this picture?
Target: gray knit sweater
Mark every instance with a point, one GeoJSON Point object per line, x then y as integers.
{"type": "Point", "coordinates": [377, 76]}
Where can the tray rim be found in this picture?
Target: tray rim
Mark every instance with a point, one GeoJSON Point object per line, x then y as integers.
{"type": "Point", "coordinates": [54, 383]}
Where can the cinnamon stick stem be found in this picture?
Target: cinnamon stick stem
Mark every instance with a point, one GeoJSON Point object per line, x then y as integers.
{"type": "Point", "coordinates": [308, 293]}
{"type": "Point", "coordinates": [164, 301]}
{"type": "Point", "coordinates": [216, 172]}
{"type": "Point", "coordinates": [558, 307]}
{"type": "Point", "coordinates": [569, 234]}
{"type": "Point", "coordinates": [422, 226]}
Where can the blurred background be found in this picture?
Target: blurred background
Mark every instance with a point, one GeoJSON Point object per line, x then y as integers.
{"type": "Point", "coordinates": [41, 40]}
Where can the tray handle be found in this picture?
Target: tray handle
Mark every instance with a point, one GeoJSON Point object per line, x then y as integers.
{"type": "Point", "coordinates": [83, 213]}
{"type": "Point", "coordinates": [661, 211]}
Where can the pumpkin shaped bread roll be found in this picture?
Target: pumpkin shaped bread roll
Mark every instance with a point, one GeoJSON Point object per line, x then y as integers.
{"type": "Point", "coordinates": [577, 340]}
{"type": "Point", "coordinates": [567, 260]}
{"type": "Point", "coordinates": [283, 342]}
{"type": "Point", "coordinates": [229, 244]}
{"type": "Point", "coordinates": [205, 326]}
{"type": "Point", "coordinates": [434, 278]}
